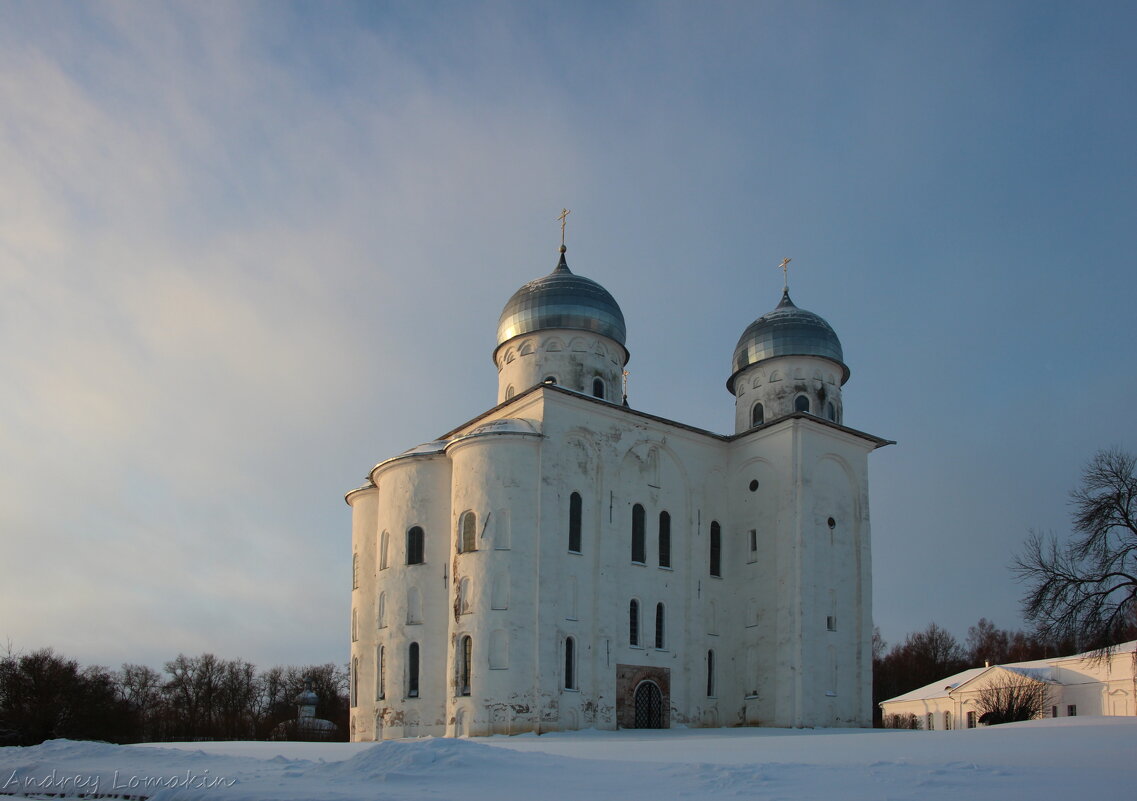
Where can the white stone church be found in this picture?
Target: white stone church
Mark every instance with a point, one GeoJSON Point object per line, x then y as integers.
{"type": "Point", "coordinates": [563, 561]}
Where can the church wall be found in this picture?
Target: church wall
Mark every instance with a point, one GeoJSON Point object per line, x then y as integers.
{"type": "Point", "coordinates": [574, 358]}
{"type": "Point", "coordinates": [496, 476]}
{"type": "Point", "coordinates": [776, 384]}
{"type": "Point", "coordinates": [414, 491]}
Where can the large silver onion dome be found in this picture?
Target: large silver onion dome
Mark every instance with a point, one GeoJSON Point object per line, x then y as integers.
{"type": "Point", "coordinates": [786, 331]}
{"type": "Point", "coordinates": [561, 300]}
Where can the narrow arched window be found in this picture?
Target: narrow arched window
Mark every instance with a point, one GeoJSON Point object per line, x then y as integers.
{"type": "Point", "coordinates": [550, 379]}
{"type": "Point", "coordinates": [354, 689]}
{"type": "Point", "coordinates": [381, 612]}
{"type": "Point", "coordinates": [570, 663]}
{"type": "Point", "coordinates": [710, 674]}
{"type": "Point", "coordinates": [598, 388]}
{"type": "Point", "coordinates": [415, 545]}
{"type": "Point", "coordinates": [510, 392]}
{"type": "Point", "coordinates": [659, 626]}
{"type": "Point", "coordinates": [801, 403]}
{"type": "Point", "coordinates": [384, 541]}
{"type": "Point", "coordinates": [412, 670]}
{"type": "Point", "coordinates": [716, 549]}
{"type": "Point", "coordinates": [757, 415]}
{"type": "Point", "coordinates": [634, 622]}
{"type": "Point", "coordinates": [355, 571]}
{"type": "Point", "coordinates": [380, 673]}
{"type": "Point", "coordinates": [464, 655]}
{"type": "Point", "coordinates": [639, 546]}
{"type": "Point", "coordinates": [354, 625]}
{"type": "Point", "coordinates": [467, 532]}
{"type": "Point", "coordinates": [831, 411]}
{"type": "Point", "coordinates": [575, 513]}
{"type": "Point", "coordinates": [664, 539]}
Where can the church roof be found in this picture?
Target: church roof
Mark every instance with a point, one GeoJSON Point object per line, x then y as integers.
{"type": "Point", "coordinates": [561, 299]}
{"type": "Point", "coordinates": [786, 331]}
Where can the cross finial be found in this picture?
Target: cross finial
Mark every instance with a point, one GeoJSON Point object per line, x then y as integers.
{"type": "Point", "coordinates": [785, 268]}
{"type": "Point", "coordinates": [564, 214]}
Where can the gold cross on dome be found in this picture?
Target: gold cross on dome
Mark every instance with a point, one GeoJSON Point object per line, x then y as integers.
{"type": "Point", "coordinates": [564, 214]}
{"type": "Point", "coordinates": [785, 268]}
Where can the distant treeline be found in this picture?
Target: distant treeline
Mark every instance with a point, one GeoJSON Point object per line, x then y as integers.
{"type": "Point", "coordinates": [44, 695]}
{"type": "Point", "coordinates": [933, 654]}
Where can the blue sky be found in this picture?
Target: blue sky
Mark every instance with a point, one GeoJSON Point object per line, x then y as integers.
{"type": "Point", "coordinates": [249, 250]}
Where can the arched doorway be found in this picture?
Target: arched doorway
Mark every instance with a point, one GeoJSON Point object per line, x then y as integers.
{"type": "Point", "coordinates": [649, 706]}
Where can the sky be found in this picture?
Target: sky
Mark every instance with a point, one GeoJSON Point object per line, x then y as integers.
{"type": "Point", "coordinates": [249, 250]}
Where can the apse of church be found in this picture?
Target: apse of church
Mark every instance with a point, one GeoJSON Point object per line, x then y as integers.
{"type": "Point", "coordinates": [563, 561]}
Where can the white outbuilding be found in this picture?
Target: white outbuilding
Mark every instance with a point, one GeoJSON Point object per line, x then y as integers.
{"type": "Point", "coordinates": [563, 561]}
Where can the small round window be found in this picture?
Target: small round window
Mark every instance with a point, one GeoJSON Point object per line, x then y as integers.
{"type": "Point", "coordinates": [753, 485]}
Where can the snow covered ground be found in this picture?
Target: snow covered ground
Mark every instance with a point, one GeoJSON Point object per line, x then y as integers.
{"type": "Point", "coordinates": [1068, 758]}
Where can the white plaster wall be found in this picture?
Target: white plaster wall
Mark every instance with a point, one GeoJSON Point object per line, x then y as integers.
{"type": "Point", "coordinates": [768, 631]}
{"type": "Point", "coordinates": [574, 358]}
{"type": "Point", "coordinates": [777, 382]}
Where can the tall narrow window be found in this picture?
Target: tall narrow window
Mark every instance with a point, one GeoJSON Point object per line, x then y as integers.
{"type": "Point", "coordinates": [598, 388]}
{"type": "Point", "coordinates": [467, 532]}
{"type": "Point", "coordinates": [634, 622]}
{"type": "Point", "coordinates": [757, 415]}
{"type": "Point", "coordinates": [412, 670]}
{"type": "Point", "coordinates": [753, 543]}
{"type": "Point", "coordinates": [801, 403]}
{"type": "Point", "coordinates": [664, 539]}
{"type": "Point", "coordinates": [353, 690]}
{"type": "Point", "coordinates": [639, 547]}
{"type": "Point", "coordinates": [384, 541]}
{"type": "Point", "coordinates": [947, 721]}
{"type": "Point", "coordinates": [380, 673]}
{"type": "Point", "coordinates": [381, 611]}
{"type": "Point", "coordinates": [354, 625]}
{"type": "Point", "coordinates": [716, 549]}
{"type": "Point", "coordinates": [467, 648]}
{"type": "Point", "coordinates": [710, 674]}
{"type": "Point", "coordinates": [831, 411]}
{"type": "Point", "coordinates": [570, 663]}
{"type": "Point", "coordinates": [659, 626]}
{"type": "Point", "coordinates": [575, 513]}
{"type": "Point", "coordinates": [415, 545]}
{"type": "Point", "coordinates": [355, 571]}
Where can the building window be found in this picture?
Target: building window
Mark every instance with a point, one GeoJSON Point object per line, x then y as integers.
{"type": "Point", "coordinates": [381, 612]}
{"type": "Point", "coordinates": [710, 674]}
{"type": "Point", "coordinates": [757, 415]}
{"type": "Point", "coordinates": [639, 546]}
{"type": "Point", "coordinates": [664, 539]}
{"type": "Point", "coordinates": [634, 623]}
{"type": "Point", "coordinates": [465, 650]}
{"type": "Point", "coordinates": [716, 549]}
{"type": "Point", "coordinates": [380, 673]}
{"type": "Point", "coordinates": [467, 532]}
{"type": "Point", "coordinates": [659, 627]}
{"type": "Point", "coordinates": [831, 411]}
{"type": "Point", "coordinates": [509, 392]}
{"type": "Point", "coordinates": [947, 721]}
{"type": "Point", "coordinates": [971, 720]}
{"type": "Point", "coordinates": [931, 721]}
{"type": "Point", "coordinates": [1054, 711]}
{"type": "Point", "coordinates": [831, 623]}
{"type": "Point", "coordinates": [598, 388]}
{"type": "Point", "coordinates": [414, 545]}
{"type": "Point", "coordinates": [1071, 710]}
{"type": "Point", "coordinates": [354, 625]}
{"type": "Point", "coordinates": [550, 379]}
{"type": "Point", "coordinates": [570, 663]}
{"type": "Point", "coordinates": [355, 571]}
{"type": "Point", "coordinates": [412, 670]}
{"type": "Point", "coordinates": [801, 403]}
{"type": "Point", "coordinates": [384, 539]}
{"type": "Point", "coordinates": [576, 508]}
{"type": "Point", "coordinates": [753, 543]}
{"type": "Point", "coordinates": [354, 688]}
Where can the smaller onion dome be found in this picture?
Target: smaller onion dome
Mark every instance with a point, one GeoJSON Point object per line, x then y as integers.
{"type": "Point", "coordinates": [786, 331]}
{"type": "Point", "coordinates": [561, 299]}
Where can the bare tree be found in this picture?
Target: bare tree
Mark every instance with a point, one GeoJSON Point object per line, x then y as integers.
{"type": "Point", "coordinates": [1011, 696]}
{"type": "Point", "coordinates": [1086, 589]}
